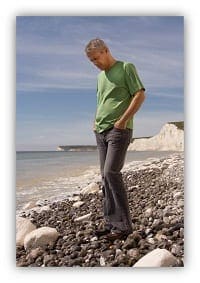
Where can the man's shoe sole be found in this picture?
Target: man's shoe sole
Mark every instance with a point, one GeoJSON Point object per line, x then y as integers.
{"type": "Point", "coordinates": [114, 236]}
{"type": "Point", "coordinates": [100, 233]}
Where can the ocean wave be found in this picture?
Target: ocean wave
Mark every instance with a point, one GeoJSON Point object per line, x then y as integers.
{"type": "Point", "coordinates": [57, 188]}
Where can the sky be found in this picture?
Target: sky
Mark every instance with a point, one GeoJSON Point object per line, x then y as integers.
{"type": "Point", "coordinates": [56, 83]}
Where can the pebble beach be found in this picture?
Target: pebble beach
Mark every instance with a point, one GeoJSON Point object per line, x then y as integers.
{"type": "Point", "coordinates": [155, 189]}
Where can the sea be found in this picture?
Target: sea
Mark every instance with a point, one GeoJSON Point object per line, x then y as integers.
{"type": "Point", "coordinates": [54, 175]}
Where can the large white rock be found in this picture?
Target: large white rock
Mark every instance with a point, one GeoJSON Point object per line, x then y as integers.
{"type": "Point", "coordinates": [157, 258]}
{"type": "Point", "coordinates": [41, 237]}
{"type": "Point", "coordinates": [169, 138]}
{"type": "Point", "coordinates": [90, 189]}
{"type": "Point", "coordinates": [23, 227]}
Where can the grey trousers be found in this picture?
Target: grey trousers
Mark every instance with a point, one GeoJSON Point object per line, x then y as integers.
{"type": "Point", "coordinates": [112, 146]}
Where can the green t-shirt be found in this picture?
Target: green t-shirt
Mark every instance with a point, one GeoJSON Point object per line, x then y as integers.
{"type": "Point", "coordinates": [115, 90]}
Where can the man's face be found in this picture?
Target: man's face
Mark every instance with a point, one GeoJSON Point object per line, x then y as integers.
{"type": "Point", "coordinates": [99, 59]}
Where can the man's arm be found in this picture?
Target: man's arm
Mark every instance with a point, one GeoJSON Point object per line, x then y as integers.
{"type": "Point", "coordinates": [134, 106]}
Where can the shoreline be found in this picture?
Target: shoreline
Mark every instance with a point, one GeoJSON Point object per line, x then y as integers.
{"type": "Point", "coordinates": [75, 184]}
{"type": "Point", "coordinates": [64, 182]}
{"type": "Point", "coordinates": [155, 192]}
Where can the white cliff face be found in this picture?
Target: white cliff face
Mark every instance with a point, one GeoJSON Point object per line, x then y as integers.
{"type": "Point", "coordinates": [169, 138]}
{"type": "Point", "coordinates": [59, 149]}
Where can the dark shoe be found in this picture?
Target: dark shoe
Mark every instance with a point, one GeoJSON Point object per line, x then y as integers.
{"type": "Point", "coordinates": [112, 236]}
{"type": "Point", "coordinates": [102, 232]}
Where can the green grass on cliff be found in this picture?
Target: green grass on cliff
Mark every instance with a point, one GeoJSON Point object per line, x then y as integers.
{"type": "Point", "coordinates": [179, 125]}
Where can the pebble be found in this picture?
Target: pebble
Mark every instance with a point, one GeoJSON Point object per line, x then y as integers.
{"type": "Point", "coordinates": [148, 212]}
{"type": "Point", "coordinates": [83, 218]}
{"type": "Point", "coordinates": [178, 195]}
{"type": "Point", "coordinates": [78, 204]}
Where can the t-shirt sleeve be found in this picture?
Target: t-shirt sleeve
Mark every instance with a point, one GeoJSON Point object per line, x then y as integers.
{"type": "Point", "coordinates": [132, 79]}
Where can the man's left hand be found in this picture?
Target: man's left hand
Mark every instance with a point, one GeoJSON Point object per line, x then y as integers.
{"type": "Point", "coordinates": [120, 125]}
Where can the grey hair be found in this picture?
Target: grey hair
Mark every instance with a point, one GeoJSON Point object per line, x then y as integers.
{"type": "Point", "coordinates": [95, 44]}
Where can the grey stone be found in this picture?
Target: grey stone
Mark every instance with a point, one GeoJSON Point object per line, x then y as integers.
{"type": "Point", "coordinates": [23, 227]}
{"type": "Point", "coordinates": [90, 189]}
{"type": "Point", "coordinates": [78, 204]}
{"type": "Point", "coordinates": [85, 217]}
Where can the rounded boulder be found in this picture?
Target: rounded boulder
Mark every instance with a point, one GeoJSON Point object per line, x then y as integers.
{"type": "Point", "coordinates": [41, 237]}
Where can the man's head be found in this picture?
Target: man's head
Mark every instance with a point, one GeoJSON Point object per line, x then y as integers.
{"type": "Point", "coordinates": [99, 54]}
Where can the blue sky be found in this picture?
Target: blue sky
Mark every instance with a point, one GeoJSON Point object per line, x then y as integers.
{"type": "Point", "coordinates": [56, 84]}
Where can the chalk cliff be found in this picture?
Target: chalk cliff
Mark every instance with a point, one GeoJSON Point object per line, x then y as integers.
{"type": "Point", "coordinates": [170, 137]}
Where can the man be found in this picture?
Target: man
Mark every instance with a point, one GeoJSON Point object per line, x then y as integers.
{"type": "Point", "coordinates": [120, 93]}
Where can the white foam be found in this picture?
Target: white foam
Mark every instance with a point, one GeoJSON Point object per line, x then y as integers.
{"type": "Point", "coordinates": [57, 188]}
